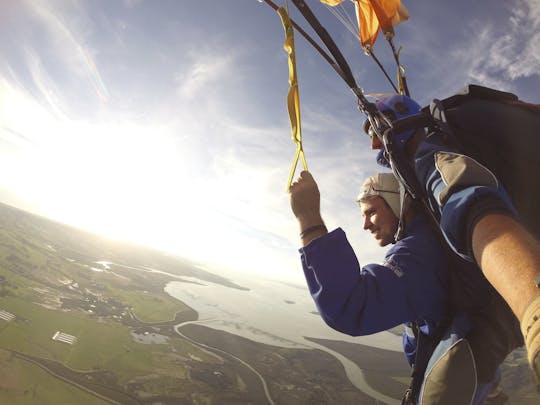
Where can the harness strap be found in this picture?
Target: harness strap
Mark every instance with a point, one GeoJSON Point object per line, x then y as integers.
{"type": "Point", "coordinates": [425, 346]}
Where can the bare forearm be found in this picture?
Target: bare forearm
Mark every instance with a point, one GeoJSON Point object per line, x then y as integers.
{"type": "Point", "coordinates": [509, 258]}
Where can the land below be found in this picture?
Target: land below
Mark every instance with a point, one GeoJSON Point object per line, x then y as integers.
{"type": "Point", "coordinates": [131, 343]}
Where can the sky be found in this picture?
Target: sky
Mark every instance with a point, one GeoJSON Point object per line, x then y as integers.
{"type": "Point", "coordinates": [164, 122]}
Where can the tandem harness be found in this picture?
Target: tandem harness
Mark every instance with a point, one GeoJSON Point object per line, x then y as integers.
{"type": "Point", "coordinates": [425, 346]}
{"type": "Point", "coordinates": [503, 134]}
{"type": "Point", "coordinates": [494, 128]}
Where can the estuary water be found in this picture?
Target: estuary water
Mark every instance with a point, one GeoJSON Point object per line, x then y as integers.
{"type": "Point", "coordinates": [274, 313]}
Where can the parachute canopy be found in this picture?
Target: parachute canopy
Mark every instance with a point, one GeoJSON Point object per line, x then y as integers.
{"type": "Point", "coordinates": [373, 15]}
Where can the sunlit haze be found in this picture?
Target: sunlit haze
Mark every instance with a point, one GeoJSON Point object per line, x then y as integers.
{"type": "Point", "coordinates": [164, 122]}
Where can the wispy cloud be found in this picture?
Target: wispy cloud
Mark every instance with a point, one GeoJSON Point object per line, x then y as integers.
{"type": "Point", "coordinates": [49, 92]}
{"type": "Point", "coordinates": [493, 52]}
{"type": "Point", "coordinates": [68, 59]}
{"type": "Point", "coordinates": [131, 3]}
{"type": "Point", "coordinates": [203, 72]}
{"type": "Point", "coordinates": [22, 115]}
{"type": "Point", "coordinates": [516, 53]}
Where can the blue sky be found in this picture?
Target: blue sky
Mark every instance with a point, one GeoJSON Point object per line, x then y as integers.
{"type": "Point", "coordinates": [165, 123]}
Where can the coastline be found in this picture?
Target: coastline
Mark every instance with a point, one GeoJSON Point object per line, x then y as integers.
{"type": "Point", "coordinates": [218, 321]}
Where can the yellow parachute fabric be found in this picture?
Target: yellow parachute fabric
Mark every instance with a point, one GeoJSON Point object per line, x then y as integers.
{"type": "Point", "coordinates": [375, 14]}
{"type": "Point", "coordinates": [293, 96]}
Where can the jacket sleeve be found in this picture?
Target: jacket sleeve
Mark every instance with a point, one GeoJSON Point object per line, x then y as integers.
{"type": "Point", "coordinates": [377, 297]}
{"type": "Point", "coordinates": [459, 189]}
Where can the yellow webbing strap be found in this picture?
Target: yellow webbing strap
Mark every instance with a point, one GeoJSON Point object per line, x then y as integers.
{"type": "Point", "coordinates": [400, 74]}
{"type": "Point", "coordinates": [293, 96]}
{"type": "Point", "coordinates": [401, 83]}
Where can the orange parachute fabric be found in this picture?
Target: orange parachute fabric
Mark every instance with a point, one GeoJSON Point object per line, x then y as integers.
{"type": "Point", "coordinates": [373, 15]}
{"type": "Point", "coordinates": [332, 2]}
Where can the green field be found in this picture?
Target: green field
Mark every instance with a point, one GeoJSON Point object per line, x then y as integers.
{"type": "Point", "coordinates": [149, 306]}
{"type": "Point", "coordinates": [23, 383]}
{"type": "Point", "coordinates": [43, 266]}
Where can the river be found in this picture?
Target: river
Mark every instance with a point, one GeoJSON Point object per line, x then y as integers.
{"type": "Point", "coordinates": [274, 313]}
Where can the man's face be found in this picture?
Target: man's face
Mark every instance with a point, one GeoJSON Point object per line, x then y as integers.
{"type": "Point", "coordinates": [375, 141]}
{"type": "Point", "coordinates": [379, 220]}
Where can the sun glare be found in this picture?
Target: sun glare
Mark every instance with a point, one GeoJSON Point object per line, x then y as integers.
{"type": "Point", "coordinates": [137, 181]}
{"type": "Point", "coordinates": [123, 180]}
{"type": "Point", "coordinates": [127, 181]}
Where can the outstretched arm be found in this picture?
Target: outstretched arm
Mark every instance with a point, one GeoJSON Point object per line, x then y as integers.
{"type": "Point", "coordinates": [477, 225]}
{"type": "Point", "coordinates": [510, 259]}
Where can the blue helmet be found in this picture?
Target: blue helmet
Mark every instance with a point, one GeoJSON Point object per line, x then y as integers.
{"type": "Point", "coordinates": [395, 107]}
{"type": "Point", "coordinates": [399, 106]}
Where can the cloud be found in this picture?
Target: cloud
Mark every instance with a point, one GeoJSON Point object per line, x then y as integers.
{"type": "Point", "coordinates": [21, 116]}
{"type": "Point", "coordinates": [203, 72]}
{"type": "Point", "coordinates": [131, 3]}
{"type": "Point", "coordinates": [494, 46]}
{"type": "Point", "coordinates": [500, 55]}
{"type": "Point", "coordinates": [61, 50]}
{"type": "Point", "coordinates": [516, 54]}
{"type": "Point", "coordinates": [48, 89]}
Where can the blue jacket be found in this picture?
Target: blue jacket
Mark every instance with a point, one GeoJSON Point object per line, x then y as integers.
{"type": "Point", "coordinates": [410, 285]}
{"type": "Point", "coordinates": [470, 191]}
